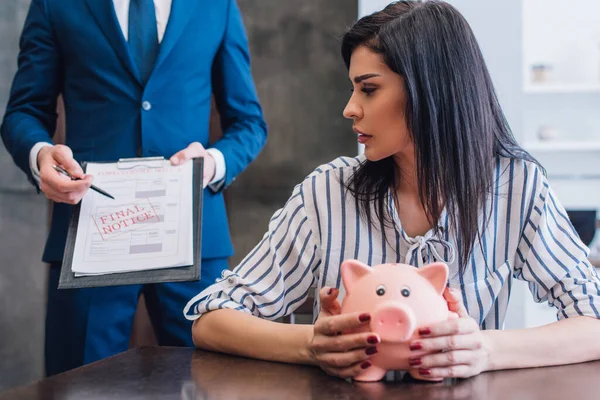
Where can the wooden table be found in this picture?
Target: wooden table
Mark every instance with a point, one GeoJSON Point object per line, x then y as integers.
{"type": "Point", "coordinates": [177, 373]}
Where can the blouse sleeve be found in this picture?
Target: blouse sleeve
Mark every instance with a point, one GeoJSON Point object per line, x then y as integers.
{"type": "Point", "coordinates": [275, 278]}
{"type": "Point", "coordinates": [552, 258]}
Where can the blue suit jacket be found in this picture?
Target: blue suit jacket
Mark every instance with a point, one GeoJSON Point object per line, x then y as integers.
{"type": "Point", "coordinates": [76, 47]}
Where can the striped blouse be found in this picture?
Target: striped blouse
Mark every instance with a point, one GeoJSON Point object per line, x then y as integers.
{"type": "Point", "coordinates": [528, 237]}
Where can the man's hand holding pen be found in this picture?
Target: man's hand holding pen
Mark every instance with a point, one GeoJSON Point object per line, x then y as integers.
{"type": "Point", "coordinates": [56, 186]}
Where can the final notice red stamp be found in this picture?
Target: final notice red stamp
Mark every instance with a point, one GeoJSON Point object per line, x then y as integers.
{"type": "Point", "coordinates": [125, 218]}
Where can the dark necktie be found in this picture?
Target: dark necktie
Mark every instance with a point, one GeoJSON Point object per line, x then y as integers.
{"type": "Point", "coordinates": [143, 35]}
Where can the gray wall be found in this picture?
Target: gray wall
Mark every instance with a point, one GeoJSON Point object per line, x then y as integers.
{"type": "Point", "coordinates": [23, 218]}
{"type": "Point", "coordinates": [303, 87]}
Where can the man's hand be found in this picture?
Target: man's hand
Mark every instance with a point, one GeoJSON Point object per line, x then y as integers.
{"type": "Point", "coordinates": [56, 186]}
{"type": "Point", "coordinates": [196, 150]}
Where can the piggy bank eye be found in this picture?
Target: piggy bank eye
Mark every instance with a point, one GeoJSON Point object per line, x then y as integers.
{"type": "Point", "coordinates": [380, 290]}
{"type": "Point", "coordinates": [405, 291]}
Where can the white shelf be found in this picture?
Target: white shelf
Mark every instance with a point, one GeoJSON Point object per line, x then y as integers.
{"type": "Point", "coordinates": [558, 88]}
{"type": "Point", "coordinates": [563, 145]}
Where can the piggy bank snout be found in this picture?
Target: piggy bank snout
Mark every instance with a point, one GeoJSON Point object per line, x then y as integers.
{"type": "Point", "coordinates": [394, 322]}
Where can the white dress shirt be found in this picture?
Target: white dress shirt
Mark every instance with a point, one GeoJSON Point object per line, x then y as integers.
{"type": "Point", "coordinates": [163, 11]}
{"type": "Point", "coordinates": [529, 237]}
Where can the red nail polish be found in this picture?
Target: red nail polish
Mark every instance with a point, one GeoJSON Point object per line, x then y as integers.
{"type": "Point", "coordinates": [372, 340]}
{"type": "Point", "coordinates": [365, 365]}
{"type": "Point", "coordinates": [424, 371]}
{"type": "Point", "coordinates": [416, 346]}
{"type": "Point", "coordinates": [364, 317]}
{"type": "Point", "coordinates": [424, 331]}
{"type": "Point", "coordinates": [329, 291]}
{"type": "Point", "coordinates": [370, 351]}
{"type": "Point", "coordinates": [414, 361]}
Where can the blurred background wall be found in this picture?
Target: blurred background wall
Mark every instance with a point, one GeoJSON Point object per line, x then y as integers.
{"type": "Point", "coordinates": [23, 216]}
{"type": "Point", "coordinates": [303, 87]}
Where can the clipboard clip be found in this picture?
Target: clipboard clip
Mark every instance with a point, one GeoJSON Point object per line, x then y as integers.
{"type": "Point", "coordinates": [147, 162]}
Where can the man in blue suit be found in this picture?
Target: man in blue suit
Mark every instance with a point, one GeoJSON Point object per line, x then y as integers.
{"type": "Point", "coordinates": [136, 77]}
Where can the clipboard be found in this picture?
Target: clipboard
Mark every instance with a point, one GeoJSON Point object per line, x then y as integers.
{"type": "Point", "coordinates": [68, 280]}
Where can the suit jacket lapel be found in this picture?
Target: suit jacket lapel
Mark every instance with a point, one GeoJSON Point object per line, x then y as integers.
{"type": "Point", "coordinates": [181, 11]}
{"type": "Point", "coordinates": [103, 12]}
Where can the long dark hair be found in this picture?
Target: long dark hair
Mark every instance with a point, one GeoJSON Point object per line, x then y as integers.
{"type": "Point", "coordinates": [453, 115]}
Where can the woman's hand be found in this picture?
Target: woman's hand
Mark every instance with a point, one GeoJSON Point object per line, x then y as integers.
{"type": "Point", "coordinates": [342, 355]}
{"type": "Point", "coordinates": [460, 350]}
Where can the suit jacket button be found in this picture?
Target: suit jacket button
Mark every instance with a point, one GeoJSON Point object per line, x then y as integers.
{"type": "Point", "coordinates": [146, 106]}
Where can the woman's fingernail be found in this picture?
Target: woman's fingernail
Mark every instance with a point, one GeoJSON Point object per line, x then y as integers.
{"type": "Point", "coordinates": [364, 317]}
{"type": "Point", "coordinates": [414, 361]}
{"type": "Point", "coordinates": [329, 291]}
{"type": "Point", "coordinates": [365, 365]}
{"type": "Point", "coordinates": [175, 160]}
{"type": "Point", "coordinates": [424, 331]}
{"type": "Point", "coordinates": [372, 340]}
{"type": "Point", "coordinates": [416, 346]}
{"type": "Point", "coordinates": [423, 371]}
{"type": "Point", "coordinates": [371, 350]}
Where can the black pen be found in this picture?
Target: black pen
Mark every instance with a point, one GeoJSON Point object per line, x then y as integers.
{"type": "Point", "coordinates": [97, 189]}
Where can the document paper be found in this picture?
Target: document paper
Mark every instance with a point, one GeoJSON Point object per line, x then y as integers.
{"type": "Point", "coordinates": [147, 226]}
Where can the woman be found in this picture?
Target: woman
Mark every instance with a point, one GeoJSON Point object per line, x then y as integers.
{"type": "Point", "coordinates": [442, 179]}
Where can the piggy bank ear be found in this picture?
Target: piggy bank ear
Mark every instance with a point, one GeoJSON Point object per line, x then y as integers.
{"type": "Point", "coordinates": [352, 271]}
{"type": "Point", "coordinates": [437, 274]}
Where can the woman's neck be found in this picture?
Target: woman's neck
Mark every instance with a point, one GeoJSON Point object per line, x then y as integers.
{"type": "Point", "coordinates": [411, 212]}
{"type": "Point", "coordinates": [407, 180]}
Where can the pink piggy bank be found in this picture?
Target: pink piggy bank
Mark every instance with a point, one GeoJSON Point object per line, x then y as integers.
{"type": "Point", "coordinates": [400, 299]}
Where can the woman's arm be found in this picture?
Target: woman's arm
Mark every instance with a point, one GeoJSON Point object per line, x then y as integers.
{"type": "Point", "coordinates": [239, 333]}
{"type": "Point", "coordinates": [553, 260]}
{"type": "Point", "coordinates": [568, 341]}
{"type": "Point", "coordinates": [458, 348]}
